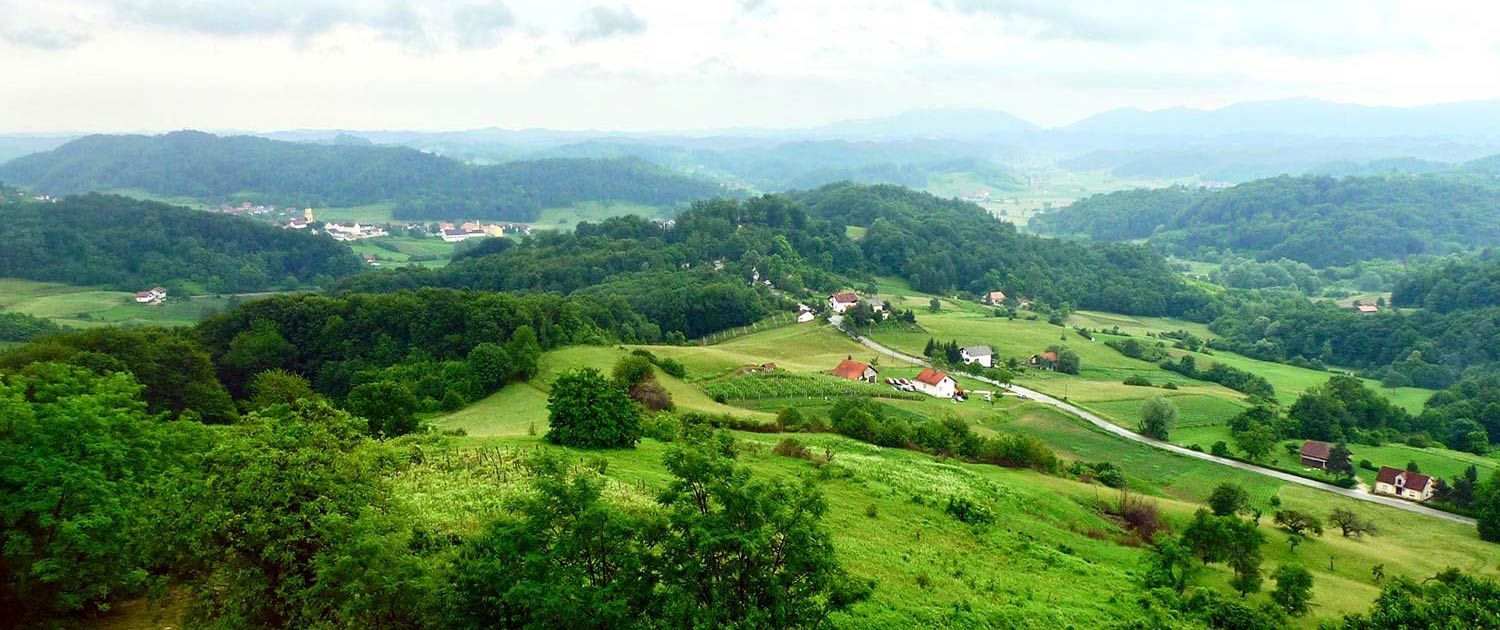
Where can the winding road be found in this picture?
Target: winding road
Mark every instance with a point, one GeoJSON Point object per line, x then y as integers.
{"type": "Point", "coordinates": [1131, 435]}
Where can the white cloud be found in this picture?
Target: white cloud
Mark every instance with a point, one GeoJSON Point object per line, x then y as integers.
{"type": "Point", "coordinates": [163, 64]}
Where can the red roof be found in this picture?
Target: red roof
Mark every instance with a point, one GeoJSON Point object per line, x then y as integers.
{"type": "Point", "coordinates": [1049, 355]}
{"type": "Point", "coordinates": [1367, 308]}
{"type": "Point", "coordinates": [143, 294]}
{"type": "Point", "coordinates": [846, 298]}
{"type": "Point", "coordinates": [931, 376]}
{"type": "Point", "coordinates": [1316, 450]}
{"type": "Point", "coordinates": [997, 296]}
{"type": "Point", "coordinates": [1415, 481]}
{"type": "Point", "coordinates": [850, 368]}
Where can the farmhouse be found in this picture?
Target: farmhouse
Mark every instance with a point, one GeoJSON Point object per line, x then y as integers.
{"type": "Point", "coordinates": [841, 302]}
{"type": "Point", "coordinates": [1315, 454]}
{"type": "Point", "coordinates": [805, 314]}
{"type": "Point", "coordinates": [1045, 361]}
{"type": "Point", "coordinates": [854, 370]}
{"type": "Point", "coordinates": [935, 383]}
{"type": "Point", "coordinates": [154, 296]}
{"type": "Point", "coordinates": [982, 355]}
{"type": "Point", "coordinates": [1366, 309]}
{"type": "Point", "coordinates": [296, 224]}
{"type": "Point", "coordinates": [1403, 484]}
{"type": "Point", "coordinates": [455, 235]}
{"type": "Point", "coordinates": [994, 298]}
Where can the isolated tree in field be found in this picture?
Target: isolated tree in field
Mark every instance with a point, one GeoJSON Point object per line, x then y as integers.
{"type": "Point", "coordinates": [934, 305]}
{"type": "Point", "coordinates": [1300, 523]}
{"type": "Point", "coordinates": [1206, 536]}
{"type": "Point", "coordinates": [1487, 508]}
{"type": "Point", "coordinates": [390, 408]}
{"type": "Point", "coordinates": [1293, 590]}
{"type": "Point", "coordinates": [1242, 551]}
{"type": "Point", "coordinates": [1256, 442]}
{"type": "Point", "coordinates": [1229, 500]}
{"type": "Point", "coordinates": [1157, 418]}
{"type": "Point", "coordinates": [1350, 523]}
{"type": "Point", "coordinates": [586, 410]}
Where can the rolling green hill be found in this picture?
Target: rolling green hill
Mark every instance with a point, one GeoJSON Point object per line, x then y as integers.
{"type": "Point", "coordinates": [423, 185]}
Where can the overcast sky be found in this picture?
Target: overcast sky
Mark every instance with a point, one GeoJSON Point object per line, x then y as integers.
{"type": "Point", "coordinates": [152, 65]}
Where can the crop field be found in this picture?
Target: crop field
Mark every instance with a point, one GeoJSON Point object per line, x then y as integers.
{"type": "Point", "coordinates": [369, 213]}
{"type": "Point", "coordinates": [429, 252]}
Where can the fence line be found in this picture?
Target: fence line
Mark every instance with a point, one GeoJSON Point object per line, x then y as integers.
{"type": "Point", "coordinates": [775, 321]}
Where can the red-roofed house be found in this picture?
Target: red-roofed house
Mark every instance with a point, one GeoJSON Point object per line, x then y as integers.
{"type": "Point", "coordinates": [935, 383]}
{"type": "Point", "coordinates": [1315, 454]}
{"type": "Point", "coordinates": [841, 302]}
{"type": "Point", "coordinates": [854, 370]}
{"type": "Point", "coordinates": [1366, 309]}
{"type": "Point", "coordinates": [154, 296]}
{"type": "Point", "coordinates": [994, 298]}
{"type": "Point", "coordinates": [1404, 484]}
{"type": "Point", "coordinates": [1046, 360]}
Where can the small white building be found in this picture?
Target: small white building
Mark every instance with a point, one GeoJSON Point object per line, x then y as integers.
{"type": "Point", "coordinates": [805, 314]}
{"type": "Point", "coordinates": [982, 355]}
{"type": "Point", "coordinates": [935, 383]}
{"type": "Point", "coordinates": [154, 296]}
{"type": "Point", "coordinates": [456, 235]}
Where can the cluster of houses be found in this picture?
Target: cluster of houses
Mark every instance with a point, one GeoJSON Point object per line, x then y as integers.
{"type": "Point", "coordinates": [453, 233]}
{"type": "Point", "coordinates": [448, 231]}
{"type": "Point", "coordinates": [1395, 482]}
{"type": "Point", "coordinates": [249, 209]}
{"type": "Point", "coordinates": [154, 296]}
{"type": "Point", "coordinates": [352, 230]}
{"type": "Point", "coordinates": [841, 302]}
{"type": "Point", "coordinates": [997, 298]}
{"type": "Point", "coordinates": [929, 381]}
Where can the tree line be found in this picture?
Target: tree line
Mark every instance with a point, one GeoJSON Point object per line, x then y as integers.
{"type": "Point", "coordinates": [133, 245]}
{"type": "Point", "coordinates": [1318, 220]}
{"type": "Point", "coordinates": [423, 185]}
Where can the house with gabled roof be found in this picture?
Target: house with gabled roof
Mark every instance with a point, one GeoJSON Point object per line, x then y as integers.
{"type": "Point", "coordinates": [1404, 484]}
{"type": "Point", "coordinates": [1045, 361]}
{"type": "Point", "coordinates": [935, 383]}
{"type": "Point", "coordinates": [840, 302]}
{"type": "Point", "coordinates": [981, 354]}
{"type": "Point", "coordinates": [1367, 309]}
{"type": "Point", "coordinates": [855, 371]}
{"type": "Point", "coordinates": [994, 298]}
{"type": "Point", "coordinates": [1314, 454]}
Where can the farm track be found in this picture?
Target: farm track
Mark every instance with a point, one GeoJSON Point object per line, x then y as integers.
{"type": "Point", "coordinates": [1117, 430]}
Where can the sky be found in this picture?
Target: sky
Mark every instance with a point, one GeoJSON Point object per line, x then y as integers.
{"type": "Point", "coordinates": [675, 65]}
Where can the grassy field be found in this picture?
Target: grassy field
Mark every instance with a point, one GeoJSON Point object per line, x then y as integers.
{"type": "Point", "coordinates": [1045, 188]}
{"type": "Point", "coordinates": [407, 248]}
{"type": "Point", "coordinates": [592, 211]}
{"type": "Point", "coordinates": [82, 307]}
{"type": "Point", "coordinates": [1051, 559]}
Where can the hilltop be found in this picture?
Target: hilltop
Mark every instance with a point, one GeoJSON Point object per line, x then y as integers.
{"type": "Point", "coordinates": [423, 186]}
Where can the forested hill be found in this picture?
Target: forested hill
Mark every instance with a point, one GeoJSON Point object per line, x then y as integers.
{"type": "Point", "coordinates": [694, 277]}
{"type": "Point", "coordinates": [1321, 221]}
{"type": "Point", "coordinates": [132, 245]}
{"type": "Point", "coordinates": [424, 186]}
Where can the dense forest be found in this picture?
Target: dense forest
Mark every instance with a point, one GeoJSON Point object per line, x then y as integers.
{"type": "Point", "coordinates": [424, 186]}
{"type": "Point", "coordinates": [133, 245]}
{"type": "Point", "coordinates": [694, 276]}
{"type": "Point", "coordinates": [1320, 221]}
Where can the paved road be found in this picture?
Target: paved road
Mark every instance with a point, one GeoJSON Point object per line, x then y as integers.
{"type": "Point", "coordinates": [1131, 435]}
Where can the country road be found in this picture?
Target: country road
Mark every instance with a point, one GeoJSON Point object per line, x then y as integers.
{"type": "Point", "coordinates": [1131, 435]}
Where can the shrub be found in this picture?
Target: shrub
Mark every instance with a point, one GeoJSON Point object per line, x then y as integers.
{"type": "Point", "coordinates": [662, 427]}
{"type": "Point", "coordinates": [651, 395]}
{"type": "Point", "coordinates": [1367, 464]}
{"type": "Point", "coordinates": [1137, 380]}
{"type": "Point", "coordinates": [1139, 515]}
{"type": "Point", "coordinates": [967, 511]}
{"type": "Point", "coordinates": [792, 447]}
{"type": "Point", "coordinates": [1220, 449]}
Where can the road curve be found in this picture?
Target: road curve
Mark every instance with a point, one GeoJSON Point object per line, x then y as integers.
{"type": "Point", "coordinates": [1131, 435]}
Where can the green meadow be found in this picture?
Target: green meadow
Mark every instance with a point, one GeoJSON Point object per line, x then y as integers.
{"type": "Point", "coordinates": [83, 307]}
{"type": "Point", "coordinates": [1043, 563]}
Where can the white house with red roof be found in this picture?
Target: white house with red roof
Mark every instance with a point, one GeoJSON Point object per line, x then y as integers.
{"type": "Point", "coordinates": [841, 302]}
{"type": "Point", "coordinates": [154, 296]}
{"type": "Point", "coordinates": [1404, 484]}
{"type": "Point", "coordinates": [935, 383]}
{"type": "Point", "coordinates": [855, 371]}
{"type": "Point", "coordinates": [994, 298]}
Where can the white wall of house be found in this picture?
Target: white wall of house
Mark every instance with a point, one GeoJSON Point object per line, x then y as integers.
{"type": "Point", "coordinates": [984, 359]}
{"type": "Point", "coordinates": [944, 388]}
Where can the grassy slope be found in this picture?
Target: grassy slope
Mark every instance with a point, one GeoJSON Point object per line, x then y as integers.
{"type": "Point", "coordinates": [83, 307]}
{"type": "Point", "coordinates": [1050, 559]}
